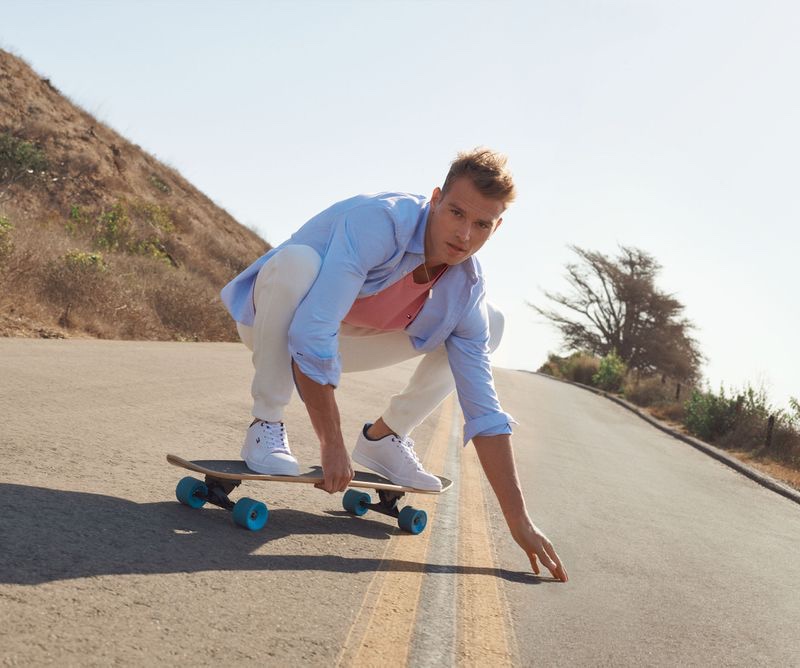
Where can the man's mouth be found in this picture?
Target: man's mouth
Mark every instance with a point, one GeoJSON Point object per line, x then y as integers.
{"type": "Point", "coordinates": [456, 249]}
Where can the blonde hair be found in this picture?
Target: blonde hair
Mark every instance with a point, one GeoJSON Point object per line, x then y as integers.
{"type": "Point", "coordinates": [488, 172]}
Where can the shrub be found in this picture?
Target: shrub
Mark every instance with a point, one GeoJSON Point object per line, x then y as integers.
{"type": "Point", "coordinates": [78, 220]}
{"type": "Point", "coordinates": [81, 261]}
{"type": "Point", "coordinates": [159, 184]}
{"type": "Point", "coordinates": [19, 158]}
{"type": "Point", "coordinates": [610, 373]}
{"type": "Point", "coordinates": [552, 367]}
{"type": "Point", "coordinates": [709, 416]}
{"type": "Point", "coordinates": [793, 416]}
{"type": "Point", "coordinates": [6, 245]}
{"type": "Point", "coordinates": [581, 367]}
{"type": "Point", "coordinates": [649, 391]}
{"type": "Point", "coordinates": [76, 280]}
{"type": "Point", "coordinates": [189, 309]}
{"type": "Point", "coordinates": [674, 412]}
{"type": "Point", "coordinates": [137, 228]}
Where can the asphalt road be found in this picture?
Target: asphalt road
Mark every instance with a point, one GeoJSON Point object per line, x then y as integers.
{"type": "Point", "coordinates": [673, 558]}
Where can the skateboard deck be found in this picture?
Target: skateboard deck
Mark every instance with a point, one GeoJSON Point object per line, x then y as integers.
{"type": "Point", "coordinates": [236, 469]}
{"type": "Point", "coordinates": [222, 476]}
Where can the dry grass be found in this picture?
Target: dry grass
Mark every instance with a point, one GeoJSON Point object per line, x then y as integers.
{"type": "Point", "coordinates": [166, 249]}
{"type": "Point", "coordinates": [789, 475]}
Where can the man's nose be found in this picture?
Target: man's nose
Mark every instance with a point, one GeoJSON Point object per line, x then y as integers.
{"type": "Point", "coordinates": [463, 231]}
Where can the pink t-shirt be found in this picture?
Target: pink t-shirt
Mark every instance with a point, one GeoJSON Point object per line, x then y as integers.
{"type": "Point", "coordinates": [394, 307]}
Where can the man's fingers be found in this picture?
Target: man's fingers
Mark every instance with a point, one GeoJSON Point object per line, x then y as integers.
{"type": "Point", "coordinates": [534, 565]}
{"type": "Point", "coordinates": [550, 561]}
{"type": "Point", "coordinates": [559, 570]}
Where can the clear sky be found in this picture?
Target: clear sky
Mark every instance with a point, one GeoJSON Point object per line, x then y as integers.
{"type": "Point", "coordinates": [671, 126]}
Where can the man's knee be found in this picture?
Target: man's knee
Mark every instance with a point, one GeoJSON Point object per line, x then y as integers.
{"type": "Point", "coordinates": [497, 323]}
{"type": "Point", "coordinates": [293, 269]}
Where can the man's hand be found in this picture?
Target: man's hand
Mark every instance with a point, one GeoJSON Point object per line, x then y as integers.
{"type": "Point", "coordinates": [536, 545]}
{"type": "Point", "coordinates": [497, 459]}
{"type": "Point", "coordinates": [336, 469]}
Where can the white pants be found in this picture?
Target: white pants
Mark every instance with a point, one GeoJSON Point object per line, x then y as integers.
{"type": "Point", "coordinates": [281, 285]}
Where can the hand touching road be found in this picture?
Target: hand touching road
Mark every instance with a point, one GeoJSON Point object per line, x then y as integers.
{"type": "Point", "coordinates": [536, 545]}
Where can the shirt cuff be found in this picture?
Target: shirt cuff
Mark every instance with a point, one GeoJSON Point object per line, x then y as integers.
{"type": "Point", "coordinates": [325, 371]}
{"type": "Point", "coordinates": [488, 425]}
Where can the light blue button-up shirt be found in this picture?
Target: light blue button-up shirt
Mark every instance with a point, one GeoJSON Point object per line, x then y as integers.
{"type": "Point", "coordinates": [367, 243]}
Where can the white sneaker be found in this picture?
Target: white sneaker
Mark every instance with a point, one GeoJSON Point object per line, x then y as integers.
{"type": "Point", "coordinates": [394, 458]}
{"type": "Point", "coordinates": [266, 449]}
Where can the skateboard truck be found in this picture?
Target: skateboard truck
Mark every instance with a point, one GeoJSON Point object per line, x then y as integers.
{"type": "Point", "coordinates": [409, 519]}
{"type": "Point", "coordinates": [217, 491]}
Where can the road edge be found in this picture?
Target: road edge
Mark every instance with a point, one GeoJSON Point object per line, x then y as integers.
{"type": "Point", "coordinates": [718, 454]}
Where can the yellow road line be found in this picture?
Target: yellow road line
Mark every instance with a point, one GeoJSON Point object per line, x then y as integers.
{"type": "Point", "coordinates": [483, 637]}
{"type": "Point", "coordinates": [389, 609]}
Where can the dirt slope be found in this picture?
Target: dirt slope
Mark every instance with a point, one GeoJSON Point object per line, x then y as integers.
{"type": "Point", "coordinates": [97, 237]}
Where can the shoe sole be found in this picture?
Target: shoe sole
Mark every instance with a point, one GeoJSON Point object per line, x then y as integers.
{"type": "Point", "coordinates": [362, 459]}
{"type": "Point", "coordinates": [262, 470]}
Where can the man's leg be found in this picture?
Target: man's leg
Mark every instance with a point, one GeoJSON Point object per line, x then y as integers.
{"type": "Point", "coordinates": [281, 285]}
{"type": "Point", "coordinates": [362, 349]}
{"type": "Point", "coordinates": [385, 446]}
{"type": "Point", "coordinates": [431, 383]}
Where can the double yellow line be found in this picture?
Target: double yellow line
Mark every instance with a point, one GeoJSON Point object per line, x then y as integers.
{"type": "Point", "coordinates": [384, 627]}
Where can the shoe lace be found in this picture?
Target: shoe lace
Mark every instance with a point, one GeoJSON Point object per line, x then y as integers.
{"type": "Point", "coordinates": [406, 446]}
{"type": "Point", "coordinates": [275, 435]}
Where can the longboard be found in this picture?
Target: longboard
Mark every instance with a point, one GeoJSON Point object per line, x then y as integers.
{"type": "Point", "coordinates": [222, 476]}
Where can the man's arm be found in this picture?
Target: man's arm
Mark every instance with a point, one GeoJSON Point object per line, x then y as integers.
{"type": "Point", "coordinates": [324, 414]}
{"type": "Point", "coordinates": [497, 459]}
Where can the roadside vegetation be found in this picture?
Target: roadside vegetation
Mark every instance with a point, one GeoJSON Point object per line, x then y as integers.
{"type": "Point", "coordinates": [98, 238]}
{"type": "Point", "coordinates": [629, 338]}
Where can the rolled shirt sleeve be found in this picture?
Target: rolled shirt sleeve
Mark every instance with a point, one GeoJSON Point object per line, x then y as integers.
{"type": "Point", "coordinates": [360, 240]}
{"type": "Point", "coordinates": [468, 354]}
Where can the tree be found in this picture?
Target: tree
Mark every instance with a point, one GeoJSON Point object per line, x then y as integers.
{"type": "Point", "coordinates": [615, 306]}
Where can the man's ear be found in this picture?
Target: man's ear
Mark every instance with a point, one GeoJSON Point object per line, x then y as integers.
{"type": "Point", "coordinates": [497, 227]}
{"type": "Point", "coordinates": [436, 195]}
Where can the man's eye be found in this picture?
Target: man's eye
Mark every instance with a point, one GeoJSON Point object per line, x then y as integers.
{"type": "Point", "coordinates": [455, 212]}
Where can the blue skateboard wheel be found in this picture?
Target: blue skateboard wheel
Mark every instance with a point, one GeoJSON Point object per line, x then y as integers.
{"type": "Point", "coordinates": [412, 520]}
{"type": "Point", "coordinates": [191, 492]}
{"type": "Point", "coordinates": [355, 502]}
{"type": "Point", "coordinates": [250, 514]}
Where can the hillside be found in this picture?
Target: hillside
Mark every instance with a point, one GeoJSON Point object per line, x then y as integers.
{"type": "Point", "coordinates": [97, 237]}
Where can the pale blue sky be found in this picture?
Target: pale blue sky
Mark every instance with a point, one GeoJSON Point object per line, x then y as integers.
{"type": "Point", "coordinates": [671, 126]}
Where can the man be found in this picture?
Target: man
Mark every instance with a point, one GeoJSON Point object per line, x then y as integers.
{"type": "Point", "coordinates": [370, 282]}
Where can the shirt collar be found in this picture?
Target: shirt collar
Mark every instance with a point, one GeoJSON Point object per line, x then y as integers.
{"type": "Point", "coordinates": [417, 243]}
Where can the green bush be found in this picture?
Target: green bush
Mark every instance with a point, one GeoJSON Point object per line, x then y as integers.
{"type": "Point", "coordinates": [159, 184]}
{"type": "Point", "coordinates": [6, 245]}
{"type": "Point", "coordinates": [610, 373]}
{"type": "Point", "coordinates": [793, 416]}
{"type": "Point", "coordinates": [19, 158]}
{"type": "Point", "coordinates": [78, 220]}
{"type": "Point", "coordinates": [709, 416]}
{"type": "Point", "coordinates": [82, 261]}
{"type": "Point", "coordinates": [138, 228]}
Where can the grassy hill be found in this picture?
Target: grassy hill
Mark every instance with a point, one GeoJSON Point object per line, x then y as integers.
{"type": "Point", "coordinates": [97, 237]}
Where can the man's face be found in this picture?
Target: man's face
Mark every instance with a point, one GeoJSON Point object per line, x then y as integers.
{"type": "Point", "coordinates": [460, 222]}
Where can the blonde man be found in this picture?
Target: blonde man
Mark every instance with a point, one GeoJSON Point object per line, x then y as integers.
{"type": "Point", "coordinates": [370, 282]}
